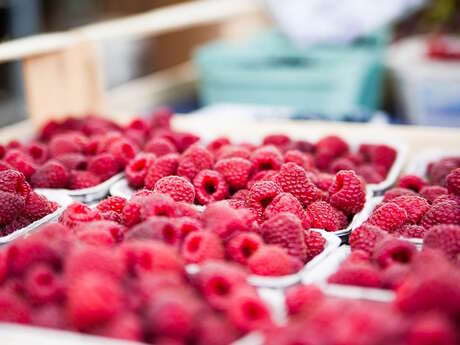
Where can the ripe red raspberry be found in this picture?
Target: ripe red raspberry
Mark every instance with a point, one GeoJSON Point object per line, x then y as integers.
{"type": "Point", "coordinates": [303, 298]}
{"type": "Point", "coordinates": [210, 186]}
{"type": "Point", "coordinates": [261, 195]}
{"type": "Point", "coordinates": [369, 173]}
{"type": "Point", "coordinates": [262, 262]}
{"type": "Point", "coordinates": [115, 230]}
{"type": "Point", "coordinates": [358, 256]}
{"type": "Point", "coordinates": [36, 207]}
{"type": "Point", "coordinates": [156, 228]}
{"type": "Point", "coordinates": [447, 197]}
{"type": "Point", "coordinates": [21, 162]}
{"type": "Point", "coordinates": [137, 169]}
{"type": "Point", "coordinates": [187, 225]}
{"type": "Point", "coordinates": [82, 179]}
{"type": "Point", "coordinates": [392, 250]}
{"type": "Point", "coordinates": [360, 274]}
{"type": "Point", "coordinates": [341, 164]}
{"type": "Point", "coordinates": [394, 275]}
{"type": "Point", "coordinates": [184, 209]}
{"type": "Point", "coordinates": [95, 237]}
{"type": "Point", "coordinates": [281, 141]}
{"type": "Point", "coordinates": [72, 142]}
{"type": "Point", "coordinates": [5, 166]}
{"type": "Point", "coordinates": [286, 231]}
{"type": "Point", "coordinates": [430, 193]}
{"type": "Point", "coordinates": [50, 175]}
{"type": "Point", "coordinates": [242, 195]}
{"type": "Point", "coordinates": [218, 281]}
{"type": "Point", "coordinates": [286, 202]}
{"type": "Point", "coordinates": [107, 140]}
{"type": "Point", "coordinates": [214, 329]}
{"type": "Point", "coordinates": [303, 160]}
{"type": "Point", "coordinates": [323, 181]}
{"type": "Point", "coordinates": [266, 158]}
{"type": "Point", "coordinates": [200, 246]}
{"type": "Point", "coordinates": [388, 217]}
{"type": "Point", "coordinates": [73, 161]}
{"type": "Point", "coordinates": [155, 204]}
{"type": "Point", "coordinates": [178, 188]}
{"type": "Point", "coordinates": [16, 224]}
{"type": "Point", "coordinates": [438, 171]}
{"type": "Point", "coordinates": [334, 144]}
{"type": "Point", "coordinates": [326, 217]}
{"type": "Point", "coordinates": [453, 182]}
{"type": "Point", "coordinates": [395, 192]}
{"type": "Point", "coordinates": [160, 146]}
{"type": "Point", "coordinates": [13, 309]}
{"type": "Point", "coordinates": [366, 237]}
{"type": "Point", "coordinates": [38, 152]}
{"type": "Point", "coordinates": [231, 151]}
{"type": "Point", "coordinates": [123, 150]}
{"type": "Point", "coordinates": [382, 155]}
{"type": "Point", "coordinates": [447, 212]}
{"type": "Point", "coordinates": [127, 326]}
{"type": "Point", "coordinates": [78, 213]}
{"type": "Point", "coordinates": [445, 238]}
{"type": "Point", "coordinates": [415, 207]}
{"type": "Point", "coordinates": [412, 182]}
{"type": "Point", "coordinates": [236, 171]}
{"type": "Point", "coordinates": [248, 312]}
{"type": "Point", "coordinates": [104, 165]}
{"type": "Point", "coordinates": [314, 242]}
{"type": "Point", "coordinates": [348, 193]}
{"type": "Point", "coordinates": [113, 203]}
{"type": "Point", "coordinates": [42, 285]}
{"type": "Point", "coordinates": [193, 160]}
{"type": "Point", "coordinates": [92, 300]}
{"type": "Point", "coordinates": [161, 167]}
{"type": "Point", "coordinates": [241, 247]}
{"type": "Point", "coordinates": [219, 142]}
{"type": "Point", "coordinates": [13, 181]}
{"type": "Point", "coordinates": [264, 175]}
{"type": "Point", "coordinates": [12, 206]}
{"type": "Point", "coordinates": [432, 328]}
{"type": "Point", "coordinates": [411, 231]}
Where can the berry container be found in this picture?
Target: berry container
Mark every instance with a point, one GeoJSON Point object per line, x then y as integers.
{"type": "Point", "coordinates": [86, 195]}
{"type": "Point", "coordinates": [331, 264]}
{"type": "Point", "coordinates": [418, 165]}
{"type": "Point", "coordinates": [62, 199]}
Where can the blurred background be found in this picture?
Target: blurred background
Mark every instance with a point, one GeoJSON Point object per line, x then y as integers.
{"type": "Point", "coordinates": [358, 60]}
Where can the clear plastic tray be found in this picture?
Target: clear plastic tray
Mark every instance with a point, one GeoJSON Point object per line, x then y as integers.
{"type": "Point", "coordinates": [61, 198]}
{"type": "Point", "coordinates": [86, 195]}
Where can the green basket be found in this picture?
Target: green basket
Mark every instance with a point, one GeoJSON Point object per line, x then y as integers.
{"type": "Point", "coordinates": [269, 70]}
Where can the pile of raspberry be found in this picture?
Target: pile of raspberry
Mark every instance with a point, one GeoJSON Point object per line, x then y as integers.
{"type": "Point", "coordinates": [425, 311]}
{"type": "Point", "coordinates": [220, 232]}
{"type": "Point", "coordinates": [19, 204]}
{"type": "Point", "coordinates": [417, 204]}
{"type": "Point", "coordinates": [136, 291]}
{"type": "Point", "coordinates": [83, 152]}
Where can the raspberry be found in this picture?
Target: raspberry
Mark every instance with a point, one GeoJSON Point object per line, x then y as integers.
{"type": "Point", "coordinates": [445, 238]}
{"type": "Point", "coordinates": [12, 205]}
{"type": "Point", "coordinates": [241, 247]}
{"type": "Point", "coordinates": [248, 312]}
{"type": "Point", "coordinates": [104, 165]}
{"type": "Point", "coordinates": [366, 237]}
{"type": "Point", "coordinates": [218, 143]}
{"type": "Point", "coordinates": [66, 143]}
{"type": "Point", "coordinates": [261, 195]}
{"type": "Point", "coordinates": [21, 162]}
{"type": "Point", "coordinates": [155, 205]}
{"type": "Point", "coordinates": [392, 250]}
{"type": "Point", "coordinates": [187, 225]}
{"type": "Point", "coordinates": [126, 327]}
{"type": "Point", "coordinates": [262, 263]}
{"type": "Point", "coordinates": [394, 275]}
{"type": "Point", "coordinates": [303, 298]}
{"type": "Point", "coordinates": [242, 195]}
{"type": "Point", "coordinates": [13, 181]}
{"type": "Point", "coordinates": [412, 182]}
{"type": "Point", "coordinates": [447, 197]}
{"type": "Point", "coordinates": [92, 300]}
{"type": "Point", "coordinates": [348, 192]}
{"type": "Point", "coordinates": [161, 167]}
{"type": "Point", "coordinates": [415, 207]}
{"type": "Point", "coordinates": [281, 141]}
{"type": "Point", "coordinates": [395, 192]}
{"type": "Point", "coordinates": [447, 212]}
{"type": "Point", "coordinates": [236, 171]}
{"type": "Point", "coordinates": [324, 216]}
{"type": "Point", "coordinates": [324, 158]}
{"type": "Point", "coordinates": [266, 158]}
{"type": "Point", "coordinates": [218, 281]}
{"type": "Point", "coordinates": [49, 316]}
{"type": "Point", "coordinates": [263, 175]}
{"type": "Point", "coordinates": [341, 164]}
{"type": "Point", "coordinates": [5, 166]}
{"type": "Point", "coordinates": [38, 152]}
{"type": "Point", "coordinates": [82, 179]}
{"type": "Point", "coordinates": [315, 243]}
{"type": "Point", "coordinates": [73, 161]}
{"type": "Point", "coordinates": [156, 228]}
{"type": "Point", "coordinates": [184, 209]}
{"type": "Point", "coordinates": [323, 181]}
{"type": "Point", "coordinates": [200, 246]}
{"type": "Point", "coordinates": [215, 330]}
{"type": "Point", "coordinates": [113, 203]}
{"type": "Point", "coordinates": [78, 213]}
{"type": "Point", "coordinates": [36, 207]}
{"type": "Point", "coordinates": [50, 175]}
{"type": "Point", "coordinates": [333, 143]}
{"type": "Point", "coordinates": [42, 285]}
{"type": "Point", "coordinates": [382, 155]}
{"type": "Point", "coordinates": [388, 217]}
{"type": "Point", "coordinates": [150, 256]}
{"type": "Point", "coordinates": [411, 231]}
{"type": "Point", "coordinates": [94, 237]}
{"type": "Point", "coordinates": [293, 179]}
{"type": "Point", "coordinates": [453, 182]}
{"type": "Point", "coordinates": [360, 274]}
{"type": "Point", "coordinates": [285, 230]}
{"type": "Point", "coordinates": [137, 169]}
{"type": "Point", "coordinates": [286, 202]}
{"type": "Point", "coordinates": [230, 151]}
{"type": "Point", "coordinates": [438, 171]}
{"type": "Point", "coordinates": [115, 230]}
{"type": "Point", "coordinates": [16, 224]}
{"type": "Point", "coordinates": [13, 309]}
{"type": "Point", "coordinates": [358, 256]}
{"type": "Point", "coordinates": [432, 328]}
{"type": "Point", "coordinates": [193, 160]}
{"type": "Point", "coordinates": [430, 193]}
{"type": "Point", "coordinates": [369, 173]}
{"type": "Point", "coordinates": [160, 147]}
{"type": "Point", "coordinates": [210, 186]}
{"type": "Point", "coordinates": [178, 188]}
{"type": "Point", "coordinates": [303, 160]}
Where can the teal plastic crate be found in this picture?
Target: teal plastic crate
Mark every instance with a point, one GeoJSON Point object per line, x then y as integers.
{"type": "Point", "coordinates": [269, 70]}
